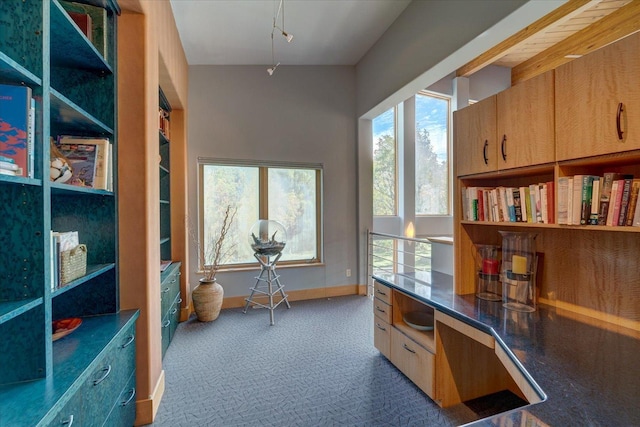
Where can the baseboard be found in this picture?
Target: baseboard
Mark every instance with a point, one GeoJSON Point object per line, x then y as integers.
{"type": "Point", "coordinates": [146, 409]}
{"type": "Point", "coordinates": [185, 312]}
{"type": "Point", "coordinates": [302, 294]}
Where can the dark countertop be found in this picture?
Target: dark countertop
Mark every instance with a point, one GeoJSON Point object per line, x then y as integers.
{"type": "Point", "coordinates": [588, 370]}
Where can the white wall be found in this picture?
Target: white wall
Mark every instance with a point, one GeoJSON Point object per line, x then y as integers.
{"type": "Point", "coordinates": [300, 114]}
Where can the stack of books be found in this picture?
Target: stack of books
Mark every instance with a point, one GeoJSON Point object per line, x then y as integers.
{"type": "Point", "coordinates": [90, 160]}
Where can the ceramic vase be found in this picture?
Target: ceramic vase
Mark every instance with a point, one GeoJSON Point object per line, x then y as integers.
{"type": "Point", "coordinates": [207, 300]}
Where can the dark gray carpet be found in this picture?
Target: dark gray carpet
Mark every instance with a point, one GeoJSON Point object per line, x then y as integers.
{"type": "Point", "coordinates": [316, 366]}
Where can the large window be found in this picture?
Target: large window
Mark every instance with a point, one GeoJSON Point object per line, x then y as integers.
{"type": "Point", "coordinates": [432, 154]}
{"type": "Point", "coordinates": [290, 195]}
{"type": "Point", "coordinates": [384, 164]}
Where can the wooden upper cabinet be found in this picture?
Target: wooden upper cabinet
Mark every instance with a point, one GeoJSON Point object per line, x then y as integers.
{"type": "Point", "coordinates": [598, 101]}
{"type": "Point", "coordinates": [475, 138]}
{"type": "Point", "coordinates": [525, 123]}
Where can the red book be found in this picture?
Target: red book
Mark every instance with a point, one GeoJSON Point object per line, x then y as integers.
{"type": "Point", "coordinates": [83, 21]}
{"type": "Point", "coordinates": [551, 203]}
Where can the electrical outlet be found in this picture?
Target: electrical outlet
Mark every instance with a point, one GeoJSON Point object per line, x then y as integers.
{"type": "Point", "coordinates": [348, 272]}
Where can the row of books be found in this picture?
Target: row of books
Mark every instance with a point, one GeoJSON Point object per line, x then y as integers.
{"type": "Point", "coordinates": [611, 199]}
{"type": "Point", "coordinates": [89, 158]}
{"type": "Point", "coordinates": [533, 203]}
{"type": "Point", "coordinates": [17, 130]}
{"type": "Point", "coordinates": [60, 242]}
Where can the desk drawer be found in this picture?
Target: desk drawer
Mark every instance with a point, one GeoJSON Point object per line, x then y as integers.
{"type": "Point", "coordinates": [382, 310]}
{"type": "Point", "coordinates": [382, 292]}
{"type": "Point", "coordinates": [413, 360]}
{"type": "Point", "coordinates": [382, 337]}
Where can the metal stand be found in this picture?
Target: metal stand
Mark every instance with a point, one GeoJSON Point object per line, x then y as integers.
{"type": "Point", "coordinates": [262, 282]}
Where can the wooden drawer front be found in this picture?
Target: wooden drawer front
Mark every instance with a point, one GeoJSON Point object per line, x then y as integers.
{"type": "Point", "coordinates": [382, 337]}
{"type": "Point", "coordinates": [382, 310]}
{"type": "Point", "coordinates": [382, 292]}
{"type": "Point", "coordinates": [123, 412]}
{"type": "Point", "coordinates": [413, 361]}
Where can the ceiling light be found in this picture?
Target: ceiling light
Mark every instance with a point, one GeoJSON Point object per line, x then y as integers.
{"type": "Point", "coordinates": [272, 69]}
{"type": "Point", "coordinates": [287, 36]}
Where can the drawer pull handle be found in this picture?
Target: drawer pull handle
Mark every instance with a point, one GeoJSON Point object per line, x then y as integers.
{"type": "Point", "coordinates": [618, 116]}
{"type": "Point", "coordinates": [179, 300]}
{"type": "Point", "coordinates": [165, 290]}
{"type": "Point", "coordinates": [380, 327]}
{"type": "Point", "coordinates": [503, 147]}
{"type": "Point", "coordinates": [408, 349]}
{"type": "Point", "coordinates": [380, 310]}
{"type": "Point", "coordinates": [484, 151]}
{"type": "Point", "coordinates": [173, 281]}
{"type": "Point", "coordinates": [126, 402]}
{"type": "Point", "coordinates": [129, 341]}
{"type": "Point", "coordinates": [106, 371]}
{"type": "Point", "coordinates": [68, 422]}
{"type": "Point", "coordinates": [380, 292]}
{"type": "Point", "coordinates": [174, 310]}
{"type": "Point", "coordinates": [166, 323]}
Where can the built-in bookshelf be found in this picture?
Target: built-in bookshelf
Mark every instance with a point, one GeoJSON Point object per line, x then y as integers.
{"type": "Point", "coordinates": [164, 121]}
{"type": "Point", "coordinates": [74, 87]}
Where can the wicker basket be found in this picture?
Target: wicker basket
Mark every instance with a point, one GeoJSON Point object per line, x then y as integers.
{"type": "Point", "coordinates": [73, 264]}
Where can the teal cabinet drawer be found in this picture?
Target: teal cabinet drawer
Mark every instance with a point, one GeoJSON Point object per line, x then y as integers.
{"type": "Point", "coordinates": [174, 316]}
{"type": "Point", "coordinates": [169, 289]}
{"type": "Point", "coordinates": [123, 412]}
{"type": "Point", "coordinates": [71, 414]}
{"type": "Point", "coordinates": [166, 333]}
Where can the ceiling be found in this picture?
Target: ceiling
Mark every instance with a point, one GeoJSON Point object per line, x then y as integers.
{"type": "Point", "coordinates": [340, 32]}
{"type": "Point", "coordinates": [238, 32]}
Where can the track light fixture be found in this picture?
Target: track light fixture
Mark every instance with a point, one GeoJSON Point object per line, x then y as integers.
{"type": "Point", "coordinates": [287, 36]}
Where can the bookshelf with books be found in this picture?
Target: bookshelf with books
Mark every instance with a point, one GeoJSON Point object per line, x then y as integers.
{"type": "Point", "coordinates": [589, 266]}
{"type": "Point", "coordinates": [73, 88]}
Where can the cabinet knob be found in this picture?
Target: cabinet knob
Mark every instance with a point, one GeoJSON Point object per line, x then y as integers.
{"type": "Point", "coordinates": [503, 147]}
{"type": "Point", "coordinates": [618, 119]}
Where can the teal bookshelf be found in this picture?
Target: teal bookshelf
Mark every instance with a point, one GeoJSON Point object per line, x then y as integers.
{"type": "Point", "coordinates": [75, 89]}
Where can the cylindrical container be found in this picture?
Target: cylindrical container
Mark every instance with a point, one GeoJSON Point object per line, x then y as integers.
{"type": "Point", "coordinates": [488, 276]}
{"type": "Point", "coordinates": [519, 263]}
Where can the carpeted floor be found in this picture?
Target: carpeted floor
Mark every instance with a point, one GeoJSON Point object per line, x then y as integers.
{"type": "Point", "coordinates": [316, 366]}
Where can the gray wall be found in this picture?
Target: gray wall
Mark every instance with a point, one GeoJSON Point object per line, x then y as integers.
{"type": "Point", "coordinates": [300, 114]}
{"type": "Point", "coordinates": [423, 35]}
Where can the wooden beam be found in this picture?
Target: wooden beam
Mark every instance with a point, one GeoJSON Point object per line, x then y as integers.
{"type": "Point", "coordinates": [562, 13]}
{"type": "Point", "coordinates": [619, 24]}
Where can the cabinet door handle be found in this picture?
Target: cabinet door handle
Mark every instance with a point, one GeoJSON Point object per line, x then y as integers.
{"type": "Point", "coordinates": [106, 371]}
{"type": "Point", "coordinates": [380, 292]}
{"type": "Point", "coordinates": [380, 310]}
{"type": "Point", "coordinates": [166, 323]}
{"type": "Point", "coordinates": [484, 151]}
{"type": "Point", "coordinates": [408, 349]}
{"type": "Point", "coordinates": [68, 422]}
{"type": "Point", "coordinates": [129, 341]}
{"type": "Point", "coordinates": [174, 310]}
{"type": "Point", "coordinates": [165, 290]}
{"type": "Point", "coordinates": [380, 327]}
{"type": "Point", "coordinates": [179, 300]}
{"type": "Point", "coordinates": [618, 117]}
{"type": "Point", "coordinates": [503, 147]}
{"type": "Point", "coordinates": [126, 402]}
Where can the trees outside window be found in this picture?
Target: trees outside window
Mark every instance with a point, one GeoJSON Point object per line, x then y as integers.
{"type": "Point", "coordinates": [289, 195]}
{"type": "Point", "coordinates": [385, 164]}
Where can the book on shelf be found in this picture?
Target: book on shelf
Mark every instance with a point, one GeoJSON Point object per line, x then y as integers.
{"type": "Point", "coordinates": [633, 202]}
{"type": "Point", "coordinates": [99, 23]}
{"type": "Point", "coordinates": [636, 215]}
{"type": "Point", "coordinates": [563, 206]}
{"type": "Point", "coordinates": [83, 21]}
{"type": "Point", "coordinates": [585, 199]}
{"type": "Point", "coordinates": [527, 203]}
{"type": "Point", "coordinates": [511, 208]}
{"type": "Point", "coordinates": [624, 200]}
{"type": "Point", "coordinates": [605, 196]}
{"type": "Point", "coordinates": [90, 160]}
{"type": "Point", "coordinates": [551, 202]}
{"type": "Point", "coordinates": [595, 200]}
{"type": "Point", "coordinates": [614, 203]}
{"type": "Point", "coordinates": [517, 203]}
{"type": "Point", "coordinates": [576, 200]}
{"type": "Point", "coordinates": [16, 126]}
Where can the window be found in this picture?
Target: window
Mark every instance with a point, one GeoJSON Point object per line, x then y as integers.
{"type": "Point", "coordinates": [290, 195]}
{"type": "Point", "coordinates": [385, 164]}
{"type": "Point", "coordinates": [432, 154]}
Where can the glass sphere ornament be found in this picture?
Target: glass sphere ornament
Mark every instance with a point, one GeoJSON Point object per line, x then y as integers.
{"type": "Point", "coordinates": [267, 237]}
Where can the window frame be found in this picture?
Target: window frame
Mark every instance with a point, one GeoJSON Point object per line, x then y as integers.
{"type": "Point", "coordinates": [263, 206]}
